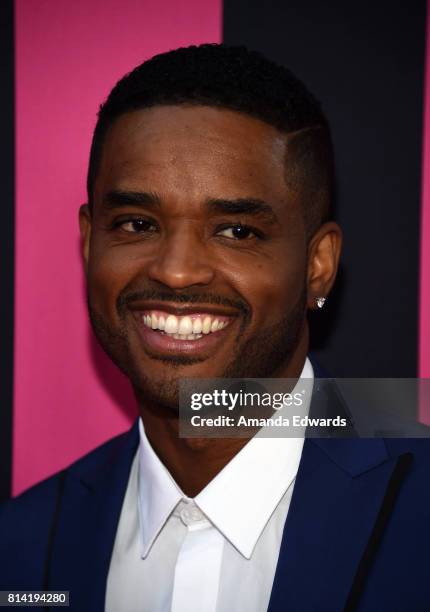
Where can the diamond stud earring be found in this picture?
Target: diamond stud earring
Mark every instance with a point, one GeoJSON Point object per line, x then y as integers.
{"type": "Point", "coordinates": [320, 301]}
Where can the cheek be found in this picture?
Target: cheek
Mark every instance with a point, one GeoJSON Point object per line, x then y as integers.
{"type": "Point", "coordinates": [271, 287]}
{"type": "Point", "coordinates": [108, 273]}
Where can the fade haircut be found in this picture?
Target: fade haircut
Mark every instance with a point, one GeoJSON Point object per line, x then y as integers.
{"type": "Point", "coordinates": [245, 81]}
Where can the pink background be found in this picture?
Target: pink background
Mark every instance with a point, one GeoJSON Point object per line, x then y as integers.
{"type": "Point", "coordinates": [68, 396]}
{"type": "Point", "coordinates": [424, 303]}
{"type": "Point", "coordinates": [424, 333]}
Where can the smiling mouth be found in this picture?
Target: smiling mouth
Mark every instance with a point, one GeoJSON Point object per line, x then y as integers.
{"type": "Point", "coordinates": [190, 327]}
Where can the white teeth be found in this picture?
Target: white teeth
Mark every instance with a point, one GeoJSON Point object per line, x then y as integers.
{"type": "Point", "coordinates": [171, 325]}
{"type": "Point", "coordinates": [197, 326]}
{"type": "Point", "coordinates": [206, 327]}
{"type": "Point", "coordinates": [183, 337]}
{"type": "Point", "coordinates": [185, 326]}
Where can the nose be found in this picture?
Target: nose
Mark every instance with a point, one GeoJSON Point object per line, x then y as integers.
{"type": "Point", "coordinates": [181, 261]}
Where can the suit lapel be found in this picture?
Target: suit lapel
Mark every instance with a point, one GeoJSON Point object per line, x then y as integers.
{"type": "Point", "coordinates": [88, 518]}
{"type": "Point", "coordinates": [335, 514]}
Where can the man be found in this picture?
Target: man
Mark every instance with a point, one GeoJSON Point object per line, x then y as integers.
{"type": "Point", "coordinates": [207, 236]}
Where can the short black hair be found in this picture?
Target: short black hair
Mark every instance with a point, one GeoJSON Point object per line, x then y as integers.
{"type": "Point", "coordinates": [241, 80]}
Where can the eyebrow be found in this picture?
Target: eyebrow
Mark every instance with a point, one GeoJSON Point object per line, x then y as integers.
{"type": "Point", "coordinates": [245, 206]}
{"type": "Point", "coordinates": [118, 198]}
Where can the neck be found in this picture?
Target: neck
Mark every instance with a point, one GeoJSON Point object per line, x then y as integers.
{"type": "Point", "coordinates": [194, 462]}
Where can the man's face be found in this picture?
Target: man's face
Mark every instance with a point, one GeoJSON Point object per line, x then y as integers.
{"type": "Point", "coordinates": [195, 249]}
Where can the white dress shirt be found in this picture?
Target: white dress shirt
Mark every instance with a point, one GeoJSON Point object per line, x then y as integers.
{"type": "Point", "coordinates": [215, 553]}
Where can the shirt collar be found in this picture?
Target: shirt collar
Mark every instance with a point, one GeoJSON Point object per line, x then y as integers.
{"type": "Point", "coordinates": [158, 493]}
{"type": "Point", "coordinates": [238, 501]}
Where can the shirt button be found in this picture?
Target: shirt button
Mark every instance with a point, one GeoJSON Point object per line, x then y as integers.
{"type": "Point", "coordinates": [190, 515]}
{"type": "Point", "coordinates": [196, 515]}
{"type": "Point", "coordinates": [185, 516]}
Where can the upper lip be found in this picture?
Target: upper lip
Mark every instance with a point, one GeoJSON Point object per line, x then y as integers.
{"type": "Point", "coordinates": [184, 309]}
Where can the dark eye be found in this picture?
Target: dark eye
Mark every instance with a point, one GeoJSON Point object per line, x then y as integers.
{"type": "Point", "coordinates": [237, 232]}
{"type": "Point", "coordinates": [136, 226]}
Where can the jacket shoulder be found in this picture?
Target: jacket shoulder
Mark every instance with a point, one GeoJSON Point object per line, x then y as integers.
{"type": "Point", "coordinates": [46, 490]}
{"type": "Point", "coordinates": [25, 521]}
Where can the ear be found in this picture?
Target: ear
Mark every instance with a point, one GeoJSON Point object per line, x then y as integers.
{"type": "Point", "coordinates": [323, 260]}
{"type": "Point", "coordinates": [85, 230]}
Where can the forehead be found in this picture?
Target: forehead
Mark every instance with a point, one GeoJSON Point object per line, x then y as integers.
{"type": "Point", "coordinates": [194, 150]}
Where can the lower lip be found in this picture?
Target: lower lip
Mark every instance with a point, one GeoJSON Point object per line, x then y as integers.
{"type": "Point", "coordinates": [162, 343]}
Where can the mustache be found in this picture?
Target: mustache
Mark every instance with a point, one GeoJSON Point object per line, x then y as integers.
{"type": "Point", "coordinates": [129, 297]}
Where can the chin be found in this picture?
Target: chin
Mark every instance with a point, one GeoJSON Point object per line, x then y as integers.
{"type": "Point", "coordinates": [159, 382]}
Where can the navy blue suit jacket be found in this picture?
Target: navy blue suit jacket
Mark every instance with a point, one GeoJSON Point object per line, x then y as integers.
{"type": "Point", "coordinates": [357, 535]}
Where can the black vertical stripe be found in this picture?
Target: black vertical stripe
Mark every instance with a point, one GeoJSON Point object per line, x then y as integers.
{"type": "Point", "coordinates": [365, 62]}
{"type": "Point", "coordinates": [397, 478]}
{"type": "Point", "coordinates": [7, 234]}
